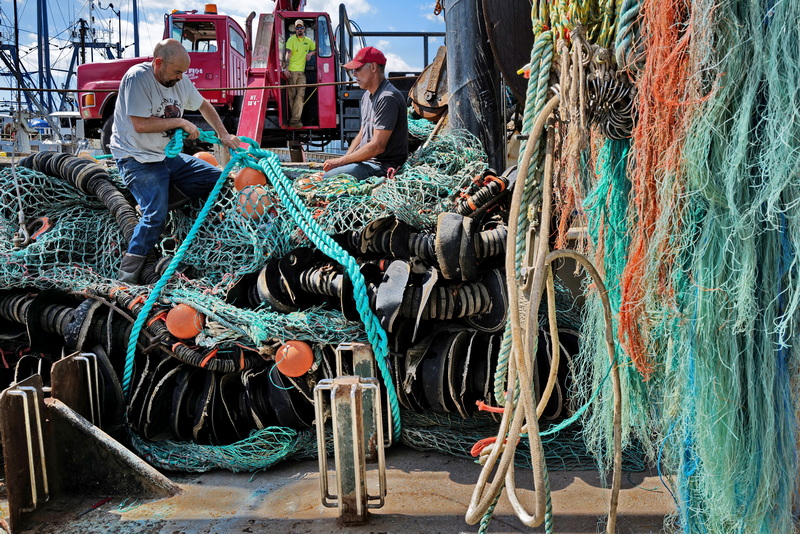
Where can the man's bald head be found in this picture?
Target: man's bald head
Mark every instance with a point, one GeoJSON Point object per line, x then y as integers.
{"type": "Point", "coordinates": [170, 50]}
{"type": "Point", "coordinates": [170, 61]}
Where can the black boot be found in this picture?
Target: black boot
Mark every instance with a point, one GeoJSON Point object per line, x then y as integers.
{"type": "Point", "coordinates": [130, 268]}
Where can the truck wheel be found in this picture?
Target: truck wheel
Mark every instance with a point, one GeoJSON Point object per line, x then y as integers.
{"type": "Point", "coordinates": [105, 134]}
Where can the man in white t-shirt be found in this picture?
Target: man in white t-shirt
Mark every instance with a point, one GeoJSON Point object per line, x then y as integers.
{"type": "Point", "coordinates": [151, 102]}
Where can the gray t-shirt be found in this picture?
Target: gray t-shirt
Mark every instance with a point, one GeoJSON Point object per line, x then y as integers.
{"type": "Point", "coordinates": [386, 110]}
{"type": "Point", "coordinates": [140, 95]}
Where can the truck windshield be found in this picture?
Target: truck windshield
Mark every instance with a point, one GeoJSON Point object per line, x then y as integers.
{"type": "Point", "coordinates": [195, 36]}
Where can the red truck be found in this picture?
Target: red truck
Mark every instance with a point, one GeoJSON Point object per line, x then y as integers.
{"type": "Point", "coordinates": [232, 68]}
{"type": "Point", "coordinates": [239, 73]}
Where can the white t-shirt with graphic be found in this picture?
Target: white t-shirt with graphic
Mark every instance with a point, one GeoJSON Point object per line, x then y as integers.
{"type": "Point", "coordinates": [140, 95]}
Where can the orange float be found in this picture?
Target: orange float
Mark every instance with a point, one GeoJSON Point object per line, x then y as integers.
{"type": "Point", "coordinates": [308, 181]}
{"type": "Point", "coordinates": [248, 176]}
{"type": "Point", "coordinates": [208, 157]}
{"type": "Point", "coordinates": [184, 322]}
{"type": "Point", "coordinates": [294, 358]}
{"type": "Point", "coordinates": [253, 202]}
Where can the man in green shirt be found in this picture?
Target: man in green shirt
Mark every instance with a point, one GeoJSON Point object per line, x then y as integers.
{"type": "Point", "coordinates": [299, 49]}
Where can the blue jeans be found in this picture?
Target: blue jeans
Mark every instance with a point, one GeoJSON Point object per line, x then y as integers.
{"type": "Point", "coordinates": [150, 183]}
{"type": "Point", "coordinates": [360, 171]}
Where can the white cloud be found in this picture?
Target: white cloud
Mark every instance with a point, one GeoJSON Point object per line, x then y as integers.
{"type": "Point", "coordinates": [242, 8]}
{"type": "Point", "coordinates": [395, 63]}
{"type": "Point", "coordinates": [151, 15]}
{"type": "Point", "coordinates": [383, 45]}
{"type": "Point", "coordinates": [427, 11]}
{"type": "Point", "coordinates": [354, 8]}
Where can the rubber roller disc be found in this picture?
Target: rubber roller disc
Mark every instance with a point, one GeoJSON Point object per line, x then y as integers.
{"type": "Point", "coordinates": [448, 244]}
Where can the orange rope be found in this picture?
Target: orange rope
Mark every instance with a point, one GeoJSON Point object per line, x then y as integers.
{"type": "Point", "coordinates": [665, 105]}
{"type": "Point", "coordinates": [483, 407]}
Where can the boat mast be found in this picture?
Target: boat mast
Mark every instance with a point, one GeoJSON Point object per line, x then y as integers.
{"type": "Point", "coordinates": [16, 58]}
{"type": "Point", "coordinates": [45, 75]}
{"type": "Point", "coordinates": [135, 29]}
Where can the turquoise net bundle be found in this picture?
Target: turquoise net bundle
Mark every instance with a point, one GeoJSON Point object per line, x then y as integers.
{"type": "Point", "coordinates": [433, 175]}
{"type": "Point", "coordinates": [732, 439]}
{"type": "Point", "coordinates": [78, 230]}
{"type": "Point", "coordinates": [708, 279]}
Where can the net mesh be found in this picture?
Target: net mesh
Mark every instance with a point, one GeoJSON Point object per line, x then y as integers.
{"type": "Point", "coordinates": [80, 246]}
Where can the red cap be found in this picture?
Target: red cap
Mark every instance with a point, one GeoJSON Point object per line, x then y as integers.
{"type": "Point", "coordinates": [364, 56]}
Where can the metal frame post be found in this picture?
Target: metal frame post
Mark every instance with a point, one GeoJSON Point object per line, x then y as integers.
{"type": "Point", "coordinates": [352, 496]}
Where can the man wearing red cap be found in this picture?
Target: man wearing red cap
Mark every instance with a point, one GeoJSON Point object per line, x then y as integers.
{"type": "Point", "coordinates": [382, 141]}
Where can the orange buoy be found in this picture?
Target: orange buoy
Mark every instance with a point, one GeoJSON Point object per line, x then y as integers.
{"type": "Point", "coordinates": [248, 176]}
{"type": "Point", "coordinates": [253, 202]}
{"type": "Point", "coordinates": [294, 358]}
{"type": "Point", "coordinates": [308, 181]}
{"type": "Point", "coordinates": [208, 157]}
{"type": "Point", "coordinates": [184, 322]}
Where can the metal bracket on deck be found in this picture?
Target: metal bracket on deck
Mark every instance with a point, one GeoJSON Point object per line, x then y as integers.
{"type": "Point", "coordinates": [363, 365]}
{"type": "Point", "coordinates": [22, 407]}
{"type": "Point", "coordinates": [76, 382]}
{"type": "Point", "coordinates": [296, 151]}
{"type": "Point", "coordinates": [51, 450]}
{"type": "Point", "coordinates": [350, 395]}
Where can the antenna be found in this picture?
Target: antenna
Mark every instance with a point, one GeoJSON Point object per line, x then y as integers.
{"type": "Point", "coordinates": [119, 21]}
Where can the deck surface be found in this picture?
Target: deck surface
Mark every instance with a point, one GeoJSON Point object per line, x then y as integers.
{"type": "Point", "coordinates": [427, 493]}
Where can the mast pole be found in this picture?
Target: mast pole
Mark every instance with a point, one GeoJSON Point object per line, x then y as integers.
{"type": "Point", "coordinates": [16, 58]}
{"type": "Point", "coordinates": [45, 75]}
{"type": "Point", "coordinates": [135, 29]}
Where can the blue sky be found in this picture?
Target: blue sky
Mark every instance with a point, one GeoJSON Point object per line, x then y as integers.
{"type": "Point", "coordinates": [371, 15]}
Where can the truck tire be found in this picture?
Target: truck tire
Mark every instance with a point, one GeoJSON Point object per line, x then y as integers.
{"type": "Point", "coordinates": [105, 134]}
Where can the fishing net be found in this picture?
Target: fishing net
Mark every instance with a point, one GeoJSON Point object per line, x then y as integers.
{"type": "Point", "coordinates": [733, 355]}
{"type": "Point", "coordinates": [75, 230]}
{"type": "Point", "coordinates": [564, 450]}
{"type": "Point", "coordinates": [262, 449]}
{"type": "Point", "coordinates": [437, 432]}
{"type": "Point", "coordinates": [79, 248]}
{"type": "Point", "coordinates": [705, 284]}
{"type": "Point", "coordinates": [428, 182]}
{"type": "Point", "coordinates": [419, 128]}
{"type": "Point", "coordinates": [691, 218]}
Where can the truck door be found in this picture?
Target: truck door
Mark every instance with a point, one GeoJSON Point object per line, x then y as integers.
{"type": "Point", "coordinates": [237, 64]}
{"type": "Point", "coordinates": [326, 73]}
{"type": "Point", "coordinates": [319, 110]}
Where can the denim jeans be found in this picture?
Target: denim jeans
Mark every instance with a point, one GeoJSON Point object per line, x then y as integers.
{"type": "Point", "coordinates": [150, 182]}
{"type": "Point", "coordinates": [360, 171]}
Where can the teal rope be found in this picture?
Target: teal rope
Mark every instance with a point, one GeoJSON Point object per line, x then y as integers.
{"type": "Point", "coordinates": [535, 100]}
{"type": "Point", "coordinates": [628, 43]}
{"type": "Point", "coordinates": [269, 164]}
{"type": "Point", "coordinates": [549, 527]}
{"type": "Point", "coordinates": [487, 517]}
{"type": "Point", "coordinates": [173, 149]}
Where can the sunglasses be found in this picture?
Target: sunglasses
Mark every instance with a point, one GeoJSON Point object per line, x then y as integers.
{"type": "Point", "coordinates": [300, 28]}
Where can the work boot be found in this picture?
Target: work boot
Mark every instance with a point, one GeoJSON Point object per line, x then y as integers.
{"type": "Point", "coordinates": [130, 268]}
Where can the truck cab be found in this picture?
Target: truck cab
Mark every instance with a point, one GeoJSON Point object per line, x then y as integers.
{"type": "Point", "coordinates": [220, 55]}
